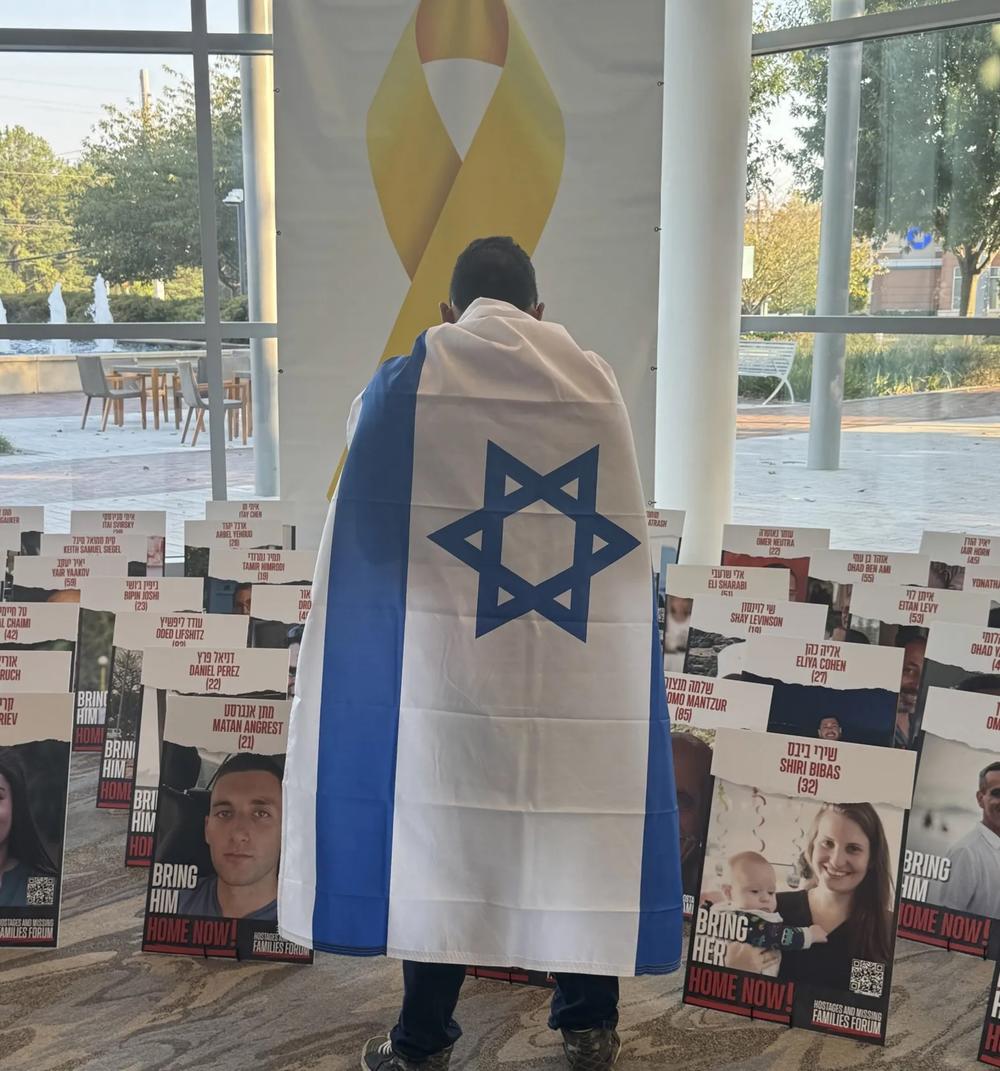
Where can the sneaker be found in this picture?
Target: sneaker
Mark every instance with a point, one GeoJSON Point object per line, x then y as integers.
{"type": "Point", "coordinates": [379, 1055]}
{"type": "Point", "coordinates": [591, 1050]}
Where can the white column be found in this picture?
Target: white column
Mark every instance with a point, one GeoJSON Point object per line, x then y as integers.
{"type": "Point", "coordinates": [257, 76]}
{"type": "Point", "coordinates": [706, 107]}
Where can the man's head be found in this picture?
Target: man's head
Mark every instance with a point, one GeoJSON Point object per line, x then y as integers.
{"type": "Point", "coordinates": [830, 728]}
{"type": "Point", "coordinates": [241, 599]}
{"type": "Point", "coordinates": [243, 827]}
{"type": "Point", "coordinates": [988, 796]}
{"type": "Point", "coordinates": [692, 775]}
{"type": "Point", "coordinates": [752, 885]}
{"type": "Point", "coordinates": [913, 640]}
{"type": "Point", "coordinates": [495, 268]}
{"type": "Point", "coordinates": [983, 683]}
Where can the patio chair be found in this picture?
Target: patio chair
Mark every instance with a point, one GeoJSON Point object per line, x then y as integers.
{"type": "Point", "coordinates": [95, 384]}
{"type": "Point", "coordinates": [191, 393]}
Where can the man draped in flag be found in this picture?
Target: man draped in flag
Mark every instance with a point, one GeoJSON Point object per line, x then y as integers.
{"type": "Point", "coordinates": [479, 765]}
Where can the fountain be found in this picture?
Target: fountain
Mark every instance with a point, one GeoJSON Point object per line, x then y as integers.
{"type": "Point", "coordinates": [57, 315]}
{"type": "Point", "coordinates": [5, 346]}
{"type": "Point", "coordinates": [100, 313]}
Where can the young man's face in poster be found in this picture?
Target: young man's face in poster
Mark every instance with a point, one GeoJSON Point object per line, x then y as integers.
{"type": "Point", "coordinates": [243, 828]}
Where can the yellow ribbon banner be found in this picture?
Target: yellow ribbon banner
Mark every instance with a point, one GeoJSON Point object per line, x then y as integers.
{"type": "Point", "coordinates": [434, 203]}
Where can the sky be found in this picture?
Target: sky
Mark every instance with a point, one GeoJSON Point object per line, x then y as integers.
{"type": "Point", "coordinates": [61, 96]}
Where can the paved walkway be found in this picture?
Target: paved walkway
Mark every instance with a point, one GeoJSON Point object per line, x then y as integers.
{"type": "Point", "coordinates": [908, 463]}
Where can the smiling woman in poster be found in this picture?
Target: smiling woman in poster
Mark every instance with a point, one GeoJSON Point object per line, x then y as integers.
{"type": "Point", "coordinates": [849, 893]}
{"type": "Point", "coordinates": [22, 854]}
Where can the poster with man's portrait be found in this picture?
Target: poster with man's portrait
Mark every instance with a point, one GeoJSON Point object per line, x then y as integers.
{"type": "Point", "coordinates": [775, 548]}
{"type": "Point", "coordinates": [718, 623]}
{"type": "Point", "coordinates": [836, 575]}
{"type": "Point", "coordinates": [901, 617]}
{"type": "Point", "coordinates": [35, 730]}
{"type": "Point", "coordinates": [254, 512]}
{"type": "Point", "coordinates": [825, 690]}
{"type": "Point", "coordinates": [21, 530]}
{"type": "Point", "coordinates": [951, 554]}
{"type": "Point", "coordinates": [152, 524]}
{"type": "Point", "coordinates": [213, 885]}
{"type": "Point", "coordinates": [698, 706]}
{"type": "Point", "coordinates": [664, 530]}
{"type": "Point", "coordinates": [682, 584]}
{"type": "Point", "coordinates": [236, 672]}
{"type": "Point", "coordinates": [134, 555]}
{"type": "Point", "coordinates": [101, 598]}
{"type": "Point", "coordinates": [278, 614]}
{"type": "Point", "coordinates": [951, 889]}
{"type": "Point", "coordinates": [44, 578]}
{"type": "Point", "coordinates": [134, 632]}
{"type": "Point", "coordinates": [232, 574]}
{"type": "Point", "coordinates": [201, 537]}
{"type": "Point", "coordinates": [796, 911]}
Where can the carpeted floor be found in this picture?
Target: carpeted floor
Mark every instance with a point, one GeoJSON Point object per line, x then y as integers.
{"type": "Point", "coordinates": [98, 1003]}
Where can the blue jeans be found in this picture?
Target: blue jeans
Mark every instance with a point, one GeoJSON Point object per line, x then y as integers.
{"type": "Point", "coordinates": [430, 995]}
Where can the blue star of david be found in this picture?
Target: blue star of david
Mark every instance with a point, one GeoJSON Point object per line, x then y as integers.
{"type": "Point", "coordinates": [597, 543]}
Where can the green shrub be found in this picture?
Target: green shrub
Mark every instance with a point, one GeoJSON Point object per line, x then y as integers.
{"type": "Point", "coordinates": [6, 446]}
{"type": "Point", "coordinates": [125, 308]}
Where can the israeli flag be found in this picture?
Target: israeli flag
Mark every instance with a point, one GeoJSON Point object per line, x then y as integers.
{"type": "Point", "coordinates": [479, 766]}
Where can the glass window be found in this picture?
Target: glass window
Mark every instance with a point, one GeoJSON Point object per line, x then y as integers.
{"type": "Point", "coordinates": [927, 147]}
{"type": "Point", "coordinates": [784, 14]}
{"type": "Point", "coordinates": [921, 440]}
{"type": "Point", "coordinates": [97, 14]}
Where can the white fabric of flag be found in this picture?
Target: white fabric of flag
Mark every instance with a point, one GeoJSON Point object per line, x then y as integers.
{"type": "Point", "coordinates": [479, 766]}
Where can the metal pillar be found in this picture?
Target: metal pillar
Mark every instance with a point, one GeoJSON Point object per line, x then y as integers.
{"type": "Point", "coordinates": [840, 164]}
{"type": "Point", "coordinates": [706, 107]}
{"type": "Point", "coordinates": [260, 234]}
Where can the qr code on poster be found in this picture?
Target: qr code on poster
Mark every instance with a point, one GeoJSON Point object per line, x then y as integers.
{"type": "Point", "coordinates": [867, 978]}
{"type": "Point", "coordinates": [41, 891]}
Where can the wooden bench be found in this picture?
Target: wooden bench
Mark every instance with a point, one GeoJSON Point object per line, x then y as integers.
{"type": "Point", "coordinates": [766, 360]}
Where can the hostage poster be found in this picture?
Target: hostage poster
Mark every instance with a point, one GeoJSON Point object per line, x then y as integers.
{"type": "Point", "coordinates": [951, 885]}
{"type": "Point", "coordinates": [21, 530]}
{"type": "Point", "coordinates": [260, 674]}
{"type": "Point", "coordinates": [149, 523]}
{"type": "Point", "coordinates": [58, 579]}
{"type": "Point", "coordinates": [265, 509]}
{"type": "Point", "coordinates": [719, 623]}
{"type": "Point", "coordinates": [775, 548]}
{"type": "Point", "coordinates": [825, 690]}
{"type": "Point", "coordinates": [35, 730]}
{"type": "Point", "coordinates": [134, 633]}
{"type": "Point", "coordinates": [200, 537]}
{"type": "Point", "coordinates": [213, 885]}
{"type": "Point", "coordinates": [951, 553]}
{"type": "Point", "coordinates": [232, 574]}
{"type": "Point", "coordinates": [682, 584]}
{"type": "Point", "coordinates": [836, 575]}
{"type": "Point", "coordinates": [664, 530]}
{"type": "Point", "coordinates": [698, 706]}
{"type": "Point", "coordinates": [136, 555]}
{"type": "Point", "coordinates": [278, 615]}
{"type": "Point", "coordinates": [101, 598]}
{"type": "Point", "coordinates": [796, 910]}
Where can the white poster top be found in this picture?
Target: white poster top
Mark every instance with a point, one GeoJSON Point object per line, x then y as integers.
{"type": "Point", "coordinates": [135, 631]}
{"type": "Point", "coordinates": [212, 669]}
{"type": "Point", "coordinates": [234, 535]}
{"type": "Point", "coordinates": [774, 542]}
{"type": "Point", "coordinates": [117, 594]}
{"type": "Point", "coordinates": [831, 771]}
{"type": "Point", "coordinates": [226, 725]}
{"type": "Point", "coordinates": [733, 618]}
{"type": "Point", "coordinates": [274, 602]}
{"type": "Point", "coordinates": [983, 578]}
{"type": "Point", "coordinates": [29, 716]}
{"type": "Point", "coordinates": [17, 519]}
{"type": "Point", "coordinates": [58, 573]}
{"type": "Point", "coordinates": [971, 718]}
{"type": "Point", "coordinates": [961, 548]}
{"type": "Point", "coordinates": [861, 567]}
{"type": "Point", "coordinates": [966, 646]}
{"type": "Point", "coordinates": [265, 509]}
{"type": "Point", "coordinates": [129, 548]}
{"type": "Point", "coordinates": [38, 622]}
{"type": "Point", "coordinates": [831, 664]}
{"type": "Point", "coordinates": [262, 566]}
{"type": "Point", "coordinates": [920, 606]}
{"type": "Point", "coordinates": [35, 671]}
{"type": "Point", "coordinates": [709, 703]}
{"type": "Point", "coordinates": [150, 522]}
{"type": "Point", "coordinates": [733, 581]}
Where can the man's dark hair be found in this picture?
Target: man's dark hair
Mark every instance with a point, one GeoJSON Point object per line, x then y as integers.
{"type": "Point", "coordinates": [245, 761]}
{"type": "Point", "coordinates": [994, 767]}
{"type": "Point", "coordinates": [494, 268]}
{"type": "Point", "coordinates": [907, 634]}
{"type": "Point", "coordinates": [984, 683]}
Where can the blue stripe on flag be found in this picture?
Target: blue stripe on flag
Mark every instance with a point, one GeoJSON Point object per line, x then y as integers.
{"type": "Point", "coordinates": [658, 949]}
{"type": "Point", "coordinates": [362, 667]}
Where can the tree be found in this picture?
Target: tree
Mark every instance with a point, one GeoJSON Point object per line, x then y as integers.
{"type": "Point", "coordinates": [785, 240]}
{"type": "Point", "coordinates": [37, 195]}
{"type": "Point", "coordinates": [138, 218]}
{"type": "Point", "coordinates": [929, 139]}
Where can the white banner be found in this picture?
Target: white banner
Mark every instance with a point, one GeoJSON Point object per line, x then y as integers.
{"type": "Point", "coordinates": [919, 606]}
{"type": "Point", "coordinates": [707, 703]}
{"type": "Point", "coordinates": [773, 542]}
{"type": "Point", "coordinates": [117, 594]}
{"type": "Point", "coordinates": [835, 665]}
{"type": "Point", "coordinates": [27, 716]}
{"type": "Point", "coordinates": [262, 566]}
{"type": "Point", "coordinates": [542, 121]}
{"type": "Point", "coordinates": [733, 581]}
{"type": "Point", "coordinates": [38, 622]}
{"type": "Point", "coordinates": [280, 602]}
{"type": "Point", "coordinates": [151, 522]}
{"type": "Point", "coordinates": [861, 567]}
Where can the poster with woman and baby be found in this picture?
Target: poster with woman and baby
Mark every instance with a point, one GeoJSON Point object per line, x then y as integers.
{"type": "Point", "coordinates": [797, 903]}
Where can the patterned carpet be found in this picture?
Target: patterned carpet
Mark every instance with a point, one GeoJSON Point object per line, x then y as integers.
{"type": "Point", "coordinates": [98, 1003]}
